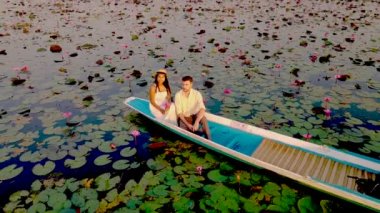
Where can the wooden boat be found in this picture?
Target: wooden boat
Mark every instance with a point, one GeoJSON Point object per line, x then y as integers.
{"type": "Point", "coordinates": [321, 167]}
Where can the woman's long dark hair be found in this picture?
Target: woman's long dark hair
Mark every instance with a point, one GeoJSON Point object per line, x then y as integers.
{"type": "Point", "coordinates": [166, 82]}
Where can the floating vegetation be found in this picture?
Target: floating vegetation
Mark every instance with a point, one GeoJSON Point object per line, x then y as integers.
{"type": "Point", "coordinates": [52, 65]}
{"type": "Point", "coordinates": [174, 185]}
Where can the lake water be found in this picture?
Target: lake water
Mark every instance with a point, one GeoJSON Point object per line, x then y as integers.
{"type": "Point", "coordinates": [66, 141]}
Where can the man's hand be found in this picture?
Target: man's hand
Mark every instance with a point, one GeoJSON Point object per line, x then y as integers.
{"type": "Point", "coordinates": [191, 127]}
{"type": "Point", "coordinates": [195, 126]}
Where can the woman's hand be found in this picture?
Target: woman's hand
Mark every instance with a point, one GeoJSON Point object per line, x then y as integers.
{"type": "Point", "coordinates": [163, 111]}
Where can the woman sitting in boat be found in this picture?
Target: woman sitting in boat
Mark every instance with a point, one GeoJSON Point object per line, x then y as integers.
{"type": "Point", "coordinates": [160, 98]}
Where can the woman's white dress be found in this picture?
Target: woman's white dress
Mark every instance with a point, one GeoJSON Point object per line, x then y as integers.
{"type": "Point", "coordinates": [161, 100]}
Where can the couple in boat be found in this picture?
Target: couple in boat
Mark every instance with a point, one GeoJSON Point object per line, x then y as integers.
{"type": "Point", "coordinates": [187, 111]}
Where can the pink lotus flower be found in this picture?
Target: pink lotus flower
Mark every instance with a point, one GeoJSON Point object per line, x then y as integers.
{"type": "Point", "coordinates": [24, 68]}
{"type": "Point", "coordinates": [227, 91]}
{"type": "Point", "coordinates": [338, 76]}
{"type": "Point", "coordinates": [327, 99]}
{"type": "Point", "coordinates": [307, 136]}
{"type": "Point", "coordinates": [278, 66]}
{"type": "Point", "coordinates": [135, 133]}
{"type": "Point", "coordinates": [199, 170]}
{"type": "Point", "coordinates": [124, 46]}
{"type": "Point", "coordinates": [113, 146]}
{"type": "Point", "coordinates": [313, 57]}
{"type": "Point", "coordinates": [327, 113]}
{"type": "Point", "coordinates": [67, 114]}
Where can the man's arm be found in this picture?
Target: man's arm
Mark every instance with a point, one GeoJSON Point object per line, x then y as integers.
{"type": "Point", "coordinates": [201, 112]}
{"type": "Point", "coordinates": [177, 103]}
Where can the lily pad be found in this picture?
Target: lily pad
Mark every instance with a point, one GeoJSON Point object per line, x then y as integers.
{"type": "Point", "coordinates": [128, 152]}
{"type": "Point", "coordinates": [120, 164]}
{"type": "Point", "coordinates": [215, 176]}
{"type": "Point", "coordinates": [75, 163]}
{"type": "Point", "coordinates": [36, 185]}
{"type": "Point", "coordinates": [10, 172]}
{"type": "Point", "coordinates": [306, 204]}
{"type": "Point", "coordinates": [106, 148]}
{"type": "Point", "coordinates": [104, 182]}
{"type": "Point", "coordinates": [42, 170]}
{"type": "Point", "coordinates": [18, 195]}
{"type": "Point", "coordinates": [183, 204]}
{"type": "Point", "coordinates": [37, 208]}
{"type": "Point", "coordinates": [102, 160]}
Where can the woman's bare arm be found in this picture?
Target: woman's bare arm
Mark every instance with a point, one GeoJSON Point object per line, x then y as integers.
{"type": "Point", "coordinates": [152, 95]}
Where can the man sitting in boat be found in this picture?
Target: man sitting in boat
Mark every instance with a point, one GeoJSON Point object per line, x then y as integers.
{"type": "Point", "coordinates": [190, 108]}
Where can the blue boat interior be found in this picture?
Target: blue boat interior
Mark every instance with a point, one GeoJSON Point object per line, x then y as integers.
{"type": "Point", "coordinates": [235, 139]}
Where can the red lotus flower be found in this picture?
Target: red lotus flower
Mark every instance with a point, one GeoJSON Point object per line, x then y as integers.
{"type": "Point", "coordinates": [67, 114]}
{"type": "Point", "coordinates": [307, 136]}
{"type": "Point", "coordinates": [227, 91]}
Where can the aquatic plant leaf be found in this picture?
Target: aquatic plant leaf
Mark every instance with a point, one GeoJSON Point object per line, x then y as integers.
{"type": "Point", "coordinates": [88, 193]}
{"type": "Point", "coordinates": [57, 200]}
{"type": "Point", "coordinates": [10, 172]}
{"type": "Point", "coordinates": [54, 156]}
{"type": "Point", "coordinates": [80, 151]}
{"type": "Point", "coordinates": [88, 46]}
{"type": "Point", "coordinates": [37, 207]}
{"type": "Point", "coordinates": [76, 163]}
{"type": "Point", "coordinates": [92, 205]}
{"type": "Point", "coordinates": [121, 164]}
{"type": "Point", "coordinates": [306, 204]}
{"type": "Point", "coordinates": [18, 195]}
{"type": "Point", "coordinates": [183, 204]}
{"type": "Point", "coordinates": [150, 206]}
{"type": "Point", "coordinates": [272, 189]}
{"type": "Point", "coordinates": [36, 185]}
{"type": "Point", "coordinates": [373, 148]}
{"type": "Point", "coordinates": [102, 160]}
{"type": "Point", "coordinates": [157, 164]}
{"type": "Point", "coordinates": [41, 169]}
{"type": "Point", "coordinates": [245, 178]}
{"type": "Point", "coordinates": [104, 182]}
{"type": "Point", "coordinates": [111, 195]}
{"type": "Point", "coordinates": [128, 152]}
{"type": "Point", "coordinates": [149, 179]}
{"type": "Point", "coordinates": [255, 178]}
{"type": "Point", "coordinates": [250, 205]}
{"type": "Point", "coordinates": [106, 148]}
{"type": "Point", "coordinates": [160, 190]}
{"type": "Point", "coordinates": [134, 37]}
{"type": "Point", "coordinates": [11, 206]}
{"type": "Point", "coordinates": [215, 176]}
{"type": "Point", "coordinates": [178, 160]}
{"type": "Point", "coordinates": [276, 208]}
{"type": "Point", "coordinates": [126, 209]}
{"type": "Point", "coordinates": [193, 181]}
{"type": "Point", "coordinates": [179, 170]}
{"type": "Point", "coordinates": [135, 165]}
{"type": "Point", "coordinates": [139, 190]}
{"type": "Point", "coordinates": [78, 200]}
